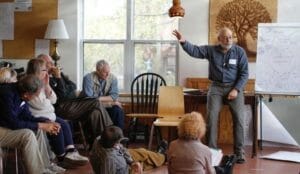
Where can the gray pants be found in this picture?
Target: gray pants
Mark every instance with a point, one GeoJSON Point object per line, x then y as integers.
{"type": "Point", "coordinates": [216, 98]}
{"type": "Point", "coordinates": [25, 140]}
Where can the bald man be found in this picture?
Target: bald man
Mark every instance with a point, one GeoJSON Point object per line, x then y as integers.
{"type": "Point", "coordinates": [88, 110]}
{"type": "Point", "coordinates": [228, 72]}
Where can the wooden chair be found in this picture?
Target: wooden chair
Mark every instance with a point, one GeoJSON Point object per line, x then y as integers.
{"type": "Point", "coordinates": [170, 108]}
{"type": "Point", "coordinates": [144, 90]}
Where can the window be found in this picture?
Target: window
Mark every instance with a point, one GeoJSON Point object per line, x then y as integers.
{"type": "Point", "coordinates": [134, 36]}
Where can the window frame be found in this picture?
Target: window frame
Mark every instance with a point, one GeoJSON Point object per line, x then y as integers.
{"type": "Point", "coordinates": [129, 47]}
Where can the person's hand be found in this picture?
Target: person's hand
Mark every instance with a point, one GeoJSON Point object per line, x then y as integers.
{"type": "Point", "coordinates": [47, 87]}
{"type": "Point", "coordinates": [178, 35]}
{"type": "Point", "coordinates": [55, 71]}
{"type": "Point", "coordinates": [136, 168]}
{"type": "Point", "coordinates": [46, 80]}
{"type": "Point", "coordinates": [50, 127]}
{"type": "Point", "coordinates": [117, 103]}
{"type": "Point", "coordinates": [232, 94]}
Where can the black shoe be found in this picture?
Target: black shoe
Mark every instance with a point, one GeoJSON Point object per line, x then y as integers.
{"type": "Point", "coordinates": [162, 147]}
{"type": "Point", "coordinates": [228, 168]}
{"type": "Point", "coordinates": [224, 160]}
{"type": "Point", "coordinates": [227, 164]}
{"type": "Point", "coordinates": [240, 158]}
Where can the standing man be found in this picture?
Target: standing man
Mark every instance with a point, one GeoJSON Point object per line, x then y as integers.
{"type": "Point", "coordinates": [228, 71]}
{"type": "Point", "coordinates": [88, 110]}
{"type": "Point", "coordinates": [103, 84]}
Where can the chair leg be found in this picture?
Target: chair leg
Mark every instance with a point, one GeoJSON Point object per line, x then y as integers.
{"type": "Point", "coordinates": [16, 157]}
{"type": "Point", "coordinates": [151, 137]}
{"type": "Point", "coordinates": [131, 130]}
{"type": "Point", "coordinates": [82, 136]}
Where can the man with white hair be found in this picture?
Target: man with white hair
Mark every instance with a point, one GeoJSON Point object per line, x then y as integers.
{"type": "Point", "coordinates": [104, 85]}
{"type": "Point", "coordinates": [88, 110]}
{"type": "Point", "coordinates": [228, 72]}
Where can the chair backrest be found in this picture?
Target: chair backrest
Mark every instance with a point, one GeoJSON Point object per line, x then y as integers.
{"type": "Point", "coordinates": [171, 101]}
{"type": "Point", "coordinates": [144, 90]}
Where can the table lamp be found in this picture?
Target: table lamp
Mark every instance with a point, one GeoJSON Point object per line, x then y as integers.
{"type": "Point", "coordinates": [56, 30]}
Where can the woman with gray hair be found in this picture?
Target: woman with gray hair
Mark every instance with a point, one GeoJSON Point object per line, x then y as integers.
{"type": "Point", "coordinates": [189, 155]}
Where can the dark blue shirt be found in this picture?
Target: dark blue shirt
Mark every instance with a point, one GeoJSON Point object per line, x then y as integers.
{"type": "Point", "coordinates": [14, 112]}
{"type": "Point", "coordinates": [229, 67]}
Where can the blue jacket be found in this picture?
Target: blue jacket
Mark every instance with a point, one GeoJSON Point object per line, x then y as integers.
{"type": "Point", "coordinates": [14, 112]}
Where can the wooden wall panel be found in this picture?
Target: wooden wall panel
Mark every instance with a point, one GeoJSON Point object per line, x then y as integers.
{"type": "Point", "coordinates": [29, 26]}
{"type": "Point", "coordinates": [203, 83]}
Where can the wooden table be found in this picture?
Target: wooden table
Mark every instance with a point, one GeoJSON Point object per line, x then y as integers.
{"type": "Point", "coordinates": [194, 99]}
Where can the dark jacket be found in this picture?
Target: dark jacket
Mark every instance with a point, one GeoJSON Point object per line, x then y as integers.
{"type": "Point", "coordinates": [63, 87]}
{"type": "Point", "coordinates": [14, 112]}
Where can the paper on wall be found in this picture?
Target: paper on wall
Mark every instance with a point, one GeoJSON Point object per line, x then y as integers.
{"type": "Point", "coordinates": [6, 21]}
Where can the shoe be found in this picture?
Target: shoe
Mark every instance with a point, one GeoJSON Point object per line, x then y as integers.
{"type": "Point", "coordinates": [228, 167]}
{"type": "Point", "coordinates": [240, 158]}
{"type": "Point", "coordinates": [57, 169]}
{"type": "Point", "coordinates": [224, 160]}
{"type": "Point", "coordinates": [162, 147]}
{"type": "Point", "coordinates": [75, 158]}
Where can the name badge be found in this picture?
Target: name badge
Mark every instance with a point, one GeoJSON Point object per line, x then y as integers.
{"type": "Point", "coordinates": [232, 61]}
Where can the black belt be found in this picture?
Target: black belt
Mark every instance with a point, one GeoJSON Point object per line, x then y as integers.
{"type": "Point", "coordinates": [223, 84]}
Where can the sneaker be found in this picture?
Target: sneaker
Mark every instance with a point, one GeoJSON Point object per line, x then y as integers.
{"type": "Point", "coordinates": [162, 147]}
{"type": "Point", "coordinates": [240, 158]}
{"type": "Point", "coordinates": [75, 158]}
{"type": "Point", "coordinates": [57, 169]}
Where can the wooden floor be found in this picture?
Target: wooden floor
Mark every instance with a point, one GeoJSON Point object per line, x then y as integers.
{"type": "Point", "coordinates": [254, 165]}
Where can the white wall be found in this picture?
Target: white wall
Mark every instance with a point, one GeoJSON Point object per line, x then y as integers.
{"type": "Point", "coordinates": [194, 26]}
{"type": "Point", "coordinates": [69, 48]}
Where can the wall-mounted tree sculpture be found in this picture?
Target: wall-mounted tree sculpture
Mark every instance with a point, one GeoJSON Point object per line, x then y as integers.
{"type": "Point", "coordinates": [242, 17]}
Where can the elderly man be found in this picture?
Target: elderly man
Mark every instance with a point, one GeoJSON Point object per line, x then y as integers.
{"type": "Point", "coordinates": [104, 85]}
{"type": "Point", "coordinates": [89, 110]}
{"type": "Point", "coordinates": [228, 71]}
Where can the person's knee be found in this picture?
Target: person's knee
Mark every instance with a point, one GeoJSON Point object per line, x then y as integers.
{"type": "Point", "coordinates": [28, 134]}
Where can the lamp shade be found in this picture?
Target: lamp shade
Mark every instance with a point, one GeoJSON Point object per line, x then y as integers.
{"type": "Point", "coordinates": [56, 29]}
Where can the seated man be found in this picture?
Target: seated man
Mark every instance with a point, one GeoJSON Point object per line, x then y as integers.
{"type": "Point", "coordinates": [101, 83]}
{"type": "Point", "coordinates": [109, 156]}
{"type": "Point", "coordinates": [89, 110]}
{"type": "Point", "coordinates": [26, 142]}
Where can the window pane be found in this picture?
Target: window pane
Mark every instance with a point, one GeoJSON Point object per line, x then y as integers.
{"type": "Point", "coordinates": [101, 16]}
{"type": "Point", "coordinates": [157, 58]}
{"type": "Point", "coordinates": [112, 53]}
{"type": "Point", "coordinates": [151, 20]}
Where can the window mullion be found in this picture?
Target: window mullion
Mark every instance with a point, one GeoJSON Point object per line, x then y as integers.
{"type": "Point", "coordinates": [129, 47]}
